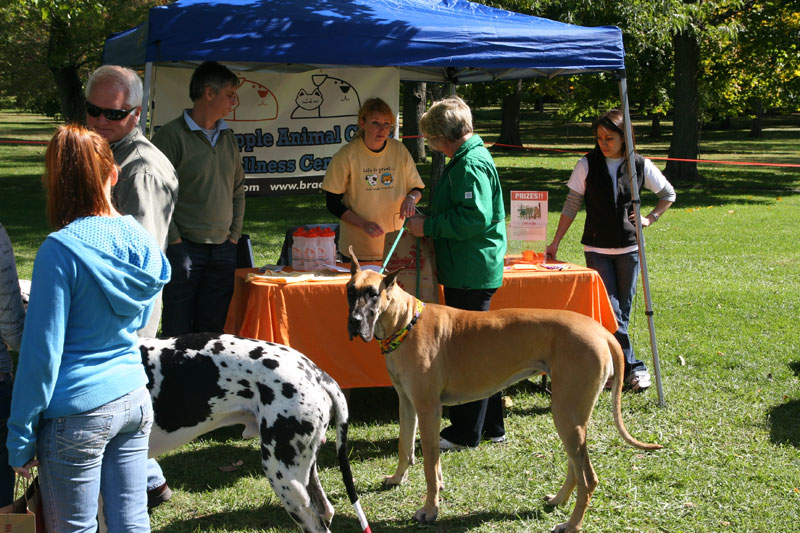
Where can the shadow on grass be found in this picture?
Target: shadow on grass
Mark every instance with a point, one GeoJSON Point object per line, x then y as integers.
{"type": "Point", "coordinates": [714, 187]}
{"type": "Point", "coordinates": [199, 470]}
{"type": "Point", "coordinates": [467, 522]}
{"type": "Point", "coordinates": [783, 423]}
{"type": "Point", "coordinates": [225, 449]}
{"type": "Point", "coordinates": [270, 517]}
{"type": "Point", "coordinates": [262, 518]}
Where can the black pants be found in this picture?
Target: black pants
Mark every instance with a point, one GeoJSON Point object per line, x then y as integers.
{"type": "Point", "coordinates": [197, 297]}
{"type": "Point", "coordinates": [483, 418]}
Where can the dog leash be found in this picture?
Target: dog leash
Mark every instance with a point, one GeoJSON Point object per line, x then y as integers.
{"type": "Point", "coordinates": [391, 251]}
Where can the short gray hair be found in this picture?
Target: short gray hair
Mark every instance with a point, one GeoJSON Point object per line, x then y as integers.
{"type": "Point", "coordinates": [124, 78]}
{"type": "Point", "coordinates": [449, 118]}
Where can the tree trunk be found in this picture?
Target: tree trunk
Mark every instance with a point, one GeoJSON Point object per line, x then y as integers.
{"type": "Point", "coordinates": [413, 108]}
{"type": "Point", "coordinates": [655, 126]}
{"type": "Point", "coordinates": [70, 93]}
{"type": "Point", "coordinates": [685, 127]}
{"type": "Point", "coordinates": [65, 73]}
{"type": "Point", "coordinates": [438, 91]}
{"type": "Point", "coordinates": [755, 129]}
{"type": "Point", "coordinates": [509, 138]}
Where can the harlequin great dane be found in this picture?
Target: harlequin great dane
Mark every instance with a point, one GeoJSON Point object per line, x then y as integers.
{"type": "Point", "coordinates": [439, 355]}
{"type": "Point", "coordinates": [201, 382]}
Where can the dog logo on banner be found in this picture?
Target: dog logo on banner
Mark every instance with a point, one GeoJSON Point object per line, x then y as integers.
{"type": "Point", "coordinates": [331, 97]}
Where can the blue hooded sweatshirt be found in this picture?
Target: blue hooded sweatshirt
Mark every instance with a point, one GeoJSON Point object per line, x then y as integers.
{"type": "Point", "coordinates": [94, 284]}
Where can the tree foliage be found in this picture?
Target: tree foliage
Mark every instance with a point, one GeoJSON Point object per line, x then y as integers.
{"type": "Point", "coordinates": [47, 47]}
{"type": "Point", "coordinates": [746, 56]}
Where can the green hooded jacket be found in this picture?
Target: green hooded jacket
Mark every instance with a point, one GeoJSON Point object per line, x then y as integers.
{"type": "Point", "coordinates": [467, 221]}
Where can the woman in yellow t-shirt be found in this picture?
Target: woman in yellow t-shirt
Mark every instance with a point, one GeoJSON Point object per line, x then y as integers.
{"type": "Point", "coordinates": [371, 184]}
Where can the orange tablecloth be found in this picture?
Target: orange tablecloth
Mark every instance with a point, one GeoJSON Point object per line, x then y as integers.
{"type": "Point", "coordinates": [311, 316]}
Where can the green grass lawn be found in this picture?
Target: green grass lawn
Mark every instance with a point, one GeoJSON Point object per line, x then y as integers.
{"type": "Point", "coordinates": [724, 267]}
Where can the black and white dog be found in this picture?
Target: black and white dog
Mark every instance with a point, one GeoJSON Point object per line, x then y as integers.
{"type": "Point", "coordinates": [201, 382]}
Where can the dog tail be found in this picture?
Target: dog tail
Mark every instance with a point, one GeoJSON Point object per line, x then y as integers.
{"type": "Point", "coordinates": [341, 417]}
{"type": "Point", "coordinates": [616, 390]}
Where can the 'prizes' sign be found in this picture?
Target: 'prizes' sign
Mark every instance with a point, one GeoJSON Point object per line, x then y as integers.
{"type": "Point", "coordinates": [528, 216]}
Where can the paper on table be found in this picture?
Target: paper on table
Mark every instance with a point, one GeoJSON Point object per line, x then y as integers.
{"type": "Point", "coordinates": [285, 277]}
{"type": "Point", "coordinates": [524, 266]}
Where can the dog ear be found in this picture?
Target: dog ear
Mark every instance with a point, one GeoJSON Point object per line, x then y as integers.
{"type": "Point", "coordinates": [390, 278]}
{"type": "Point", "coordinates": [354, 266]}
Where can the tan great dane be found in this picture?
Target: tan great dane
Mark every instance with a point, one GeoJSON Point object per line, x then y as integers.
{"type": "Point", "coordinates": [440, 355]}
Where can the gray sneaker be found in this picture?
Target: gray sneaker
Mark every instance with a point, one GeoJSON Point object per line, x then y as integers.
{"type": "Point", "coordinates": [638, 380]}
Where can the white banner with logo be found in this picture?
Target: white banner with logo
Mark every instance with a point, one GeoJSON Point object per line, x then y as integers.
{"type": "Point", "coordinates": [288, 125]}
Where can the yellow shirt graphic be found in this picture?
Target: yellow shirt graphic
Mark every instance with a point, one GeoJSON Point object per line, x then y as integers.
{"type": "Point", "coordinates": [374, 185]}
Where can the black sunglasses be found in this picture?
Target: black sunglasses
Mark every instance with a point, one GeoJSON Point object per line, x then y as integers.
{"type": "Point", "coordinates": [110, 114]}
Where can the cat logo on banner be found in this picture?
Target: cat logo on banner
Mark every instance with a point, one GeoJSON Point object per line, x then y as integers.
{"type": "Point", "coordinates": [288, 126]}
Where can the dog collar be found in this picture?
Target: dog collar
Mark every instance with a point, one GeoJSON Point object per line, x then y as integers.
{"type": "Point", "coordinates": [392, 342]}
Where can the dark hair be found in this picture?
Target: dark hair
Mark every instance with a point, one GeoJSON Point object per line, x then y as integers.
{"type": "Point", "coordinates": [613, 121]}
{"type": "Point", "coordinates": [78, 163]}
{"type": "Point", "coordinates": [210, 74]}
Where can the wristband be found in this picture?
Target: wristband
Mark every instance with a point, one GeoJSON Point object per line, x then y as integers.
{"type": "Point", "coordinates": [655, 216]}
{"type": "Point", "coordinates": [412, 197]}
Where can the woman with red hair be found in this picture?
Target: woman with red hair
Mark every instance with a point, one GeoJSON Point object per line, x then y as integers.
{"type": "Point", "coordinates": [80, 408]}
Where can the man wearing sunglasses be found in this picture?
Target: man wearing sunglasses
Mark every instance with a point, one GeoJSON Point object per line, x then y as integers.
{"type": "Point", "coordinates": [207, 222]}
{"type": "Point", "coordinates": [147, 186]}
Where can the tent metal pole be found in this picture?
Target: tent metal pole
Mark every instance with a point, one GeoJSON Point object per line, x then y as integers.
{"type": "Point", "coordinates": [148, 74]}
{"type": "Point", "coordinates": [623, 90]}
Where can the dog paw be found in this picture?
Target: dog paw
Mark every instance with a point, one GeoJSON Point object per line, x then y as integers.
{"type": "Point", "coordinates": [550, 499]}
{"type": "Point", "coordinates": [563, 528]}
{"type": "Point", "coordinates": [426, 517]}
{"type": "Point", "coordinates": [392, 481]}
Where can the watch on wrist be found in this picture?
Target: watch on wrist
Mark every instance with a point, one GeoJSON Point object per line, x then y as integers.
{"type": "Point", "coordinates": [655, 216]}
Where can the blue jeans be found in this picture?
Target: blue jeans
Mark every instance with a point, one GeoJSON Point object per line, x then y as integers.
{"type": "Point", "coordinates": [155, 477]}
{"type": "Point", "coordinates": [197, 297]}
{"type": "Point", "coordinates": [102, 451]}
{"type": "Point", "coordinates": [6, 472]}
{"type": "Point", "coordinates": [619, 274]}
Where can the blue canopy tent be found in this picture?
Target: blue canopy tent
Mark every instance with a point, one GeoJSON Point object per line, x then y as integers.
{"type": "Point", "coordinates": [427, 40]}
{"type": "Point", "coordinates": [430, 40]}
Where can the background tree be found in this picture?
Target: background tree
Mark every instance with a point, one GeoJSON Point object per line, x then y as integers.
{"type": "Point", "coordinates": [48, 47]}
{"type": "Point", "coordinates": [759, 69]}
{"type": "Point", "coordinates": [413, 96]}
{"type": "Point", "coordinates": [510, 138]}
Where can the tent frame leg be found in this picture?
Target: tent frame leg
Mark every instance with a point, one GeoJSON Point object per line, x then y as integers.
{"type": "Point", "coordinates": [623, 91]}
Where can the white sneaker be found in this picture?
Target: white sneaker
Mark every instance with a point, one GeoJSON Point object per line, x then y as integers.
{"type": "Point", "coordinates": [447, 446]}
{"type": "Point", "coordinates": [638, 380]}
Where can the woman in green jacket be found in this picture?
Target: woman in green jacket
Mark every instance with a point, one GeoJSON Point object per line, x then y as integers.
{"type": "Point", "coordinates": [467, 224]}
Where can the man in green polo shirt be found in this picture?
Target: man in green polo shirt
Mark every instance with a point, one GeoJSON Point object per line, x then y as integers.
{"type": "Point", "coordinates": [207, 221]}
